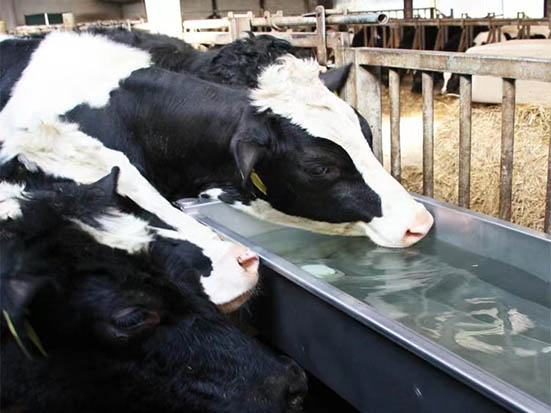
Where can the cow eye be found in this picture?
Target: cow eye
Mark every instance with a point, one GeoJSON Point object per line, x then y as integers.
{"type": "Point", "coordinates": [134, 317]}
{"type": "Point", "coordinates": [319, 171]}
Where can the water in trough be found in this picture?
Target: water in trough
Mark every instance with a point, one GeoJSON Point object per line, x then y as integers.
{"type": "Point", "coordinates": [491, 314]}
{"type": "Point", "coordinates": [495, 316]}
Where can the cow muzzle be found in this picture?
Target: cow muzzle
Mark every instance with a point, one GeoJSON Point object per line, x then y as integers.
{"type": "Point", "coordinates": [233, 277]}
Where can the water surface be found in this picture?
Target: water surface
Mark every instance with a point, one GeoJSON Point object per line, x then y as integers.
{"type": "Point", "coordinates": [496, 316]}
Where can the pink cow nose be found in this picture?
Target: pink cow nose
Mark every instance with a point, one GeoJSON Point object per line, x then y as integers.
{"type": "Point", "coordinates": [249, 261]}
{"type": "Point", "coordinates": [420, 227]}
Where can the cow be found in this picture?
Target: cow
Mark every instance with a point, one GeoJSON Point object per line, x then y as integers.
{"type": "Point", "coordinates": [305, 149]}
{"type": "Point", "coordinates": [88, 326]}
{"type": "Point", "coordinates": [140, 231]}
{"type": "Point", "coordinates": [238, 63]}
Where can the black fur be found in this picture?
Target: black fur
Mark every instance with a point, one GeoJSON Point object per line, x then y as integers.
{"type": "Point", "coordinates": [122, 332]}
{"type": "Point", "coordinates": [185, 134]}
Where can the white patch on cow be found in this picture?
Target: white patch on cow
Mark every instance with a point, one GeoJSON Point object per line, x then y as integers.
{"type": "Point", "coordinates": [6, 37]}
{"type": "Point", "coordinates": [291, 88]}
{"type": "Point", "coordinates": [61, 150]}
{"type": "Point", "coordinates": [213, 193]}
{"type": "Point", "coordinates": [68, 69]}
{"type": "Point", "coordinates": [119, 230]}
{"type": "Point", "coordinates": [10, 195]}
{"type": "Point", "coordinates": [229, 281]}
{"type": "Point", "coordinates": [263, 210]}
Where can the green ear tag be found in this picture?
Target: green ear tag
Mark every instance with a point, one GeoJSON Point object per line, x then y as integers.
{"type": "Point", "coordinates": [258, 182]}
{"type": "Point", "coordinates": [13, 332]}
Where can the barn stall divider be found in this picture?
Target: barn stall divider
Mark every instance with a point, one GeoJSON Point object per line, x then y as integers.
{"type": "Point", "coordinates": [363, 91]}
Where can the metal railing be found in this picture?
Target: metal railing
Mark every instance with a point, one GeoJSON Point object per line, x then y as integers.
{"type": "Point", "coordinates": [364, 85]}
{"type": "Point", "coordinates": [363, 91]}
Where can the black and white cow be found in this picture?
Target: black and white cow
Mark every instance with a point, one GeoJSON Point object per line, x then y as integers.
{"type": "Point", "coordinates": [90, 327]}
{"type": "Point", "coordinates": [139, 232]}
{"type": "Point", "coordinates": [306, 149]}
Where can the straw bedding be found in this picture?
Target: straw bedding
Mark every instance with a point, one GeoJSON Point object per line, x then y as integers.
{"type": "Point", "coordinates": [531, 147]}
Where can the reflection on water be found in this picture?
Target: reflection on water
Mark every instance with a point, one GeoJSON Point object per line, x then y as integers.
{"type": "Point", "coordinates": [495, 316]}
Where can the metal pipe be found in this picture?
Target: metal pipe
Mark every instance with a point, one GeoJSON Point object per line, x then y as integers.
{"type": "Point", "coordinates": [465, 105]}
{"type": "Point", "coordinates": [547, 221]}
{"type": "Point", "coordinates": [360, 18]}
{"type": "Point", "coordinates": [394, 95]}
{"type": "Point", "coordinates": [428, 134]}
{"type": "Point", "coordinates": [507, 144]}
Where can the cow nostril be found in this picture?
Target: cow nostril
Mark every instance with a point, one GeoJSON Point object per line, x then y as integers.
{"type": "Point", "coordinates": [420, 227]}
{"type": "Point", "coordinates": [249, 261]}
{"type": "Point", "coordinates": [295, 402]}
{"type": "Point", "coordinates": [297, 387]}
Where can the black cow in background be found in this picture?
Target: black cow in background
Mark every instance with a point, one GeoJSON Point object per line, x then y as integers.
{"type": "Point", "coordinates": [238, 63]}
{"type": "Point", "coordinates": [90, 328]}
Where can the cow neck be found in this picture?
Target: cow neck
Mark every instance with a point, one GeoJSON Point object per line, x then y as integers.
{"type": "Point", "coordinates": [185, 126]}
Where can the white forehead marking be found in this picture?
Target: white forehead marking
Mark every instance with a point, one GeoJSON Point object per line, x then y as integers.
{"type": "Point", "coordinates": [292, 89]}
{"type": "Point", "coordinates": [119, 230]}
{"type": "Point", "coordinates": [68, 69]}
{"type": "Point", "coordinates": [61, 150]}
{"type": "Point", "coordinates": [10, 194]}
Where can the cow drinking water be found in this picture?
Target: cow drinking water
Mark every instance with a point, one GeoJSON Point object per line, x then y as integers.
{"type": "Point", "coordinates": [91, 327]}
{"type": "Point", "coordinates": [306, 149]}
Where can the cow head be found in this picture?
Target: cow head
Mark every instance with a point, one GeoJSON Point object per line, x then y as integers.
{"type": "Point", "coordinates": [96, 209]}
{"type": "Point", "coordinates": [306, 156]}
{"type": "Point", "coordinates": [114, 330]}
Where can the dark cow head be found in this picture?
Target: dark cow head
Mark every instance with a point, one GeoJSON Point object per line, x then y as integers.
{"type": "Point", "coordinates": [98, 328]}
{"type": "Point", "coordinates": [306, 156]}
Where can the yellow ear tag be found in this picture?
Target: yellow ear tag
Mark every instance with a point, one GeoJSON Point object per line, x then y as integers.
{"type": "Point", "coordinates": [258, 182]}
{"type": "Point", "coordinates": [34, 338]}
{"type": "Point", "coordinates": [13, 332]}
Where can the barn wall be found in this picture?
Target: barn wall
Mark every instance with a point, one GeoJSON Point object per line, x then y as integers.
{"type": "Point", "coordinates": [84, 10]}
{"type": "Point", "coordinates": [133, 11]}
{"type": "Point", "coordinates": [201, 9]}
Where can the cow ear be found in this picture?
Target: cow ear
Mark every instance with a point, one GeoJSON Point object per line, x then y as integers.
{"type": "Point", "coordinates": [336, 79]}
{"type": "Point", "coordinates": [108, 184]}
{"type": "Point", "coordinates": [247, 154]}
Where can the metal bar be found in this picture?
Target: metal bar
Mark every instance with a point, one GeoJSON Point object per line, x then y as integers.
{"type": "Point", "coordinates": [321, 47]}
{"type": "Point", "coordinates": [465, 109]}
{"type": "Point", "coordinates": [428, 134]}
{"type": "Point", "coordinates": [483, 65]}
{"type": "Point", "coordinates": [507, 144]}
{"type": "Point", "coordinates": [394, 95]}
{"type": "Point", "coordinates": [547, 221]}
{"type": "Point", "coordinates": [353, 18]}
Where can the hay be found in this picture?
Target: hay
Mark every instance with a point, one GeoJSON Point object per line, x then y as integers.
{"type": "Point", "coordinates": [532, 134]}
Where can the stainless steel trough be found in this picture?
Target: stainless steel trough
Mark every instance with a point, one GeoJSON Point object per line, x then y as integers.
{"type": "Point", "coordinates": [376, 360]}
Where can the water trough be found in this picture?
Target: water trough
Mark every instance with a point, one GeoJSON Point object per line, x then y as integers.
{"type": "Point", "coordinates": [460, 322]}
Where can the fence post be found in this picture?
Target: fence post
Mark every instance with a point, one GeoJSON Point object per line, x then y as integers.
{"type": "Point", "coordinates": [364, 93]}
{"type": "Point", "coordinates": [321, 42]}
{"type": "Point", "coordinates": [394, 95]}
{"type": "Point", "coordinates": [428, 134]}
{"type": "Point", "coordinates": [547, 221]}
{"type": "Point", "coordinates": [507, 143]}
{"type": "Point", "coordinates": [465, 105]}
